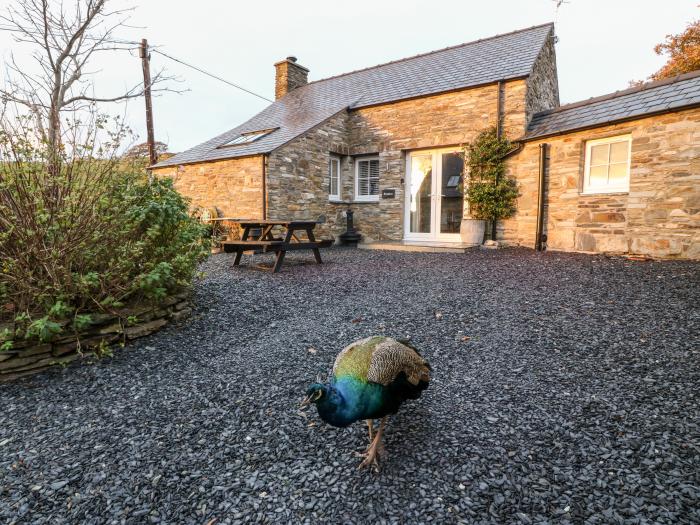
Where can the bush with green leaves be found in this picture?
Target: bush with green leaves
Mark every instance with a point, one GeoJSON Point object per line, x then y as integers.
{"type": "Point", "coordinates": [84, 233]}
{"type": "Point", "coordinates": [490, 193]}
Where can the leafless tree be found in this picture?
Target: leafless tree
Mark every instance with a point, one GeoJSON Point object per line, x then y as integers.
{"type": "Point", "coordinates": [65, 38]}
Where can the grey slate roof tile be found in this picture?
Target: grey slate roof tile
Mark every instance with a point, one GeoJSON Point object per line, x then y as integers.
{"type": "Point", "coordinates": [664, 95]}
{"type": "Point", "coordinates": [497, 58]}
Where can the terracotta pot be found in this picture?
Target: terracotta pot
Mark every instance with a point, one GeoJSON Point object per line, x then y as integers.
{"type": "Point", "coordinates": [472, 231]}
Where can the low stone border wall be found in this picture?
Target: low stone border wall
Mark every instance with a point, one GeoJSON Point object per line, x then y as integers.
{"type": "Point", "coordinates": [26, 358]}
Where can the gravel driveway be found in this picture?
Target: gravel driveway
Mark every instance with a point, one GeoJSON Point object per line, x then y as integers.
{"type": "Point", "coordinates": [565, 390]}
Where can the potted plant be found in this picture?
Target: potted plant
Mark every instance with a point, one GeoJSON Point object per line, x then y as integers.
{"type": "Point", "coordinates": [489, 194]}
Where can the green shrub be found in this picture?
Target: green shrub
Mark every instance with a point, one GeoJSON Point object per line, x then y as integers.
{"type": "Point", "coordinates": [491, 195]}
{"type": "Point", "coordinates": [91, 236]}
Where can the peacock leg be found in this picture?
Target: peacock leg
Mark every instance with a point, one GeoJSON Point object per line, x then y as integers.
{"type": "Point", "coordinates": [372, 433]}
{"type": "Point", "coordinates": [375, 449]}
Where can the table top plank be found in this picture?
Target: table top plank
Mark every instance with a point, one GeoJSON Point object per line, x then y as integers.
{"type": "Point", "coordinates": [288, 223]}
{"type": "Point", "coordinates": [251, 242]}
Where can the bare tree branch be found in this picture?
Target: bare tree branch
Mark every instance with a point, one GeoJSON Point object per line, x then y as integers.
{"type": "Point", "coordinates": [65, 40]}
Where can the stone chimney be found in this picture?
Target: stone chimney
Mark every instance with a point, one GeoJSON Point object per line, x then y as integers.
{"type": "Point", "coordinates": [288, 76]}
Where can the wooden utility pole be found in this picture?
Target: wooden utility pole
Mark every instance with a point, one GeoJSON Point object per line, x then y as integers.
{"type": "Point", "coordinates": [145, 62]}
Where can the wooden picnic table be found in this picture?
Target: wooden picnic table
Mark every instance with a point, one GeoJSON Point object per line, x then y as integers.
{"type": "Point", "coordinates": [264, 240]}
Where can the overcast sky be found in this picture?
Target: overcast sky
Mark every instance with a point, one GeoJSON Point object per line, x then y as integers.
{"type": "Point", "coordinates": [603, 44]}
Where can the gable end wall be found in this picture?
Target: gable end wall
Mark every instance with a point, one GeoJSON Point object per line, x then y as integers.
{"type": "Point", "coordinates": [543, 84]}
{"type": "Point", "coordinates": [297, 176]}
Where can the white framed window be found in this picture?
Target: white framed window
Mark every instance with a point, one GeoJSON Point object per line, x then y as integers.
{"type": "Point", "coordinates": [334, 179]}
{"type": "Point", "coordinates": [607, 167]}
{"type": "Point", "coordinates": [367, 179]}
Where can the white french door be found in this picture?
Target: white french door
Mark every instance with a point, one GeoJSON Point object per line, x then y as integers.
{"type": "Point", "coordinates": [434, 198]}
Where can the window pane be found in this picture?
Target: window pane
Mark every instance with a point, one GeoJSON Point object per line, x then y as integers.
{"type": "Point", "coordinates": [374, 177]}
{"type": "Point", "coordinates": [451, 200]}
{"type": "Point", "coordinates": [367, 178]}
{"type": "Point", "coordinates": [248, 137]}
{"type": "Point", "coordinates": [421, 182]}
{"type": "Point", "coordinates": [363, 178]}
{"type": "Point", "coordinates": [618, 174]}
{"type": "Point", "coordinates": [618, 151]}
{"type": "Point", "coordinates": [598, 176]}
{"type": "Point", "coordinates": [599, 154]}
{"type": "Point", "coordinates": [364, 169]}
{"type": "Point", "coordinates": [363, 187]}
{"type": "Point", "coordinates": [334, 177]}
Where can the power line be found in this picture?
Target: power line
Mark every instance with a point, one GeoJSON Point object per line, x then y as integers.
{"type": "Point", "coordinates": [128, 42]}
{"type": "Point", "coordinates": [211, 75]}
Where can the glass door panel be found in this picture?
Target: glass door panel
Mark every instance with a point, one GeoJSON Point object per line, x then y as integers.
{"type": "Point", "coordinates": [420, 193]}
{"type": "Point", "coordinates": [451, 196]}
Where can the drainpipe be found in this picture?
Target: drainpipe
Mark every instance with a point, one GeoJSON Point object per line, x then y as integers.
{"type": "Point", "coordinates": [499, 109]}
{"type": "Point", "coordinates": [264, 187]}
{"type": "Point", "coordinates": [499, 133]}
{"type": "Point", "coordinates": [539, 237]}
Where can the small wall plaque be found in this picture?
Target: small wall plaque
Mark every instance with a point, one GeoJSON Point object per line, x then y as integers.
{"type": "Point", "coordinates": [389, 194]}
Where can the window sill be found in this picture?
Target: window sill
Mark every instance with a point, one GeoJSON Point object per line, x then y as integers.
{"type": "Point", "coordinates": [338, 200]}
{"type": "Point", "coordinates": [603, 192]}
{"type": "Point", "coordinates": [366, 201]}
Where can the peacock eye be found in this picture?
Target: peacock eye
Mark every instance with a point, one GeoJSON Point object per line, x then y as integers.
{"type": "Point", "coordinates": [317, 395]}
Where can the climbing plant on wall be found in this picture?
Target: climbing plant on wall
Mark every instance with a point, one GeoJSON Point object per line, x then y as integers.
{"type": "Point", "coordinates": [490, 193]}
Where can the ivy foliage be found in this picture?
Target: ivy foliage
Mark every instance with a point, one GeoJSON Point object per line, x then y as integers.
{"type": "Point", "coordinates": [490, 194]}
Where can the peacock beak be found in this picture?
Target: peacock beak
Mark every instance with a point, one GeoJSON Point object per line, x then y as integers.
{"type": "Point", "coordinates": [311, 398]}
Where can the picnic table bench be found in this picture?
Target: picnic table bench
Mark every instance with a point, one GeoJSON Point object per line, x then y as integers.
{"type": "Point", "coordinates": [264, 240]}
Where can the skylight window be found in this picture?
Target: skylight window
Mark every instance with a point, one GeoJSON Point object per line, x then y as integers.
{"type": "Point", "coordinates": [247, 138]}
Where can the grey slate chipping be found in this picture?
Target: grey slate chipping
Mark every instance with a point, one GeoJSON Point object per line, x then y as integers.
{"type": "Point", "coordinates": [666, 95]}
{"type": "Point", "coordinates": [472, 64]}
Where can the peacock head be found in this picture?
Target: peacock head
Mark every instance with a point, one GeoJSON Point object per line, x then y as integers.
{"type": "Point", "coordinates": [315, 393]}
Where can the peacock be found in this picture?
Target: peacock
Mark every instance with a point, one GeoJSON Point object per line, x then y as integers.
{"type": "Point", "coordinates": [371, 378]}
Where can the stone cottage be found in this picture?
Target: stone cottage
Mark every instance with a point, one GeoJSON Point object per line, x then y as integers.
{"type": "Point", "coordinates": [618, 174]}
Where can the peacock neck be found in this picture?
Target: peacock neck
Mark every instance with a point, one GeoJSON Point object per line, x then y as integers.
{"type": "Point", "coordinates": [334, 409]}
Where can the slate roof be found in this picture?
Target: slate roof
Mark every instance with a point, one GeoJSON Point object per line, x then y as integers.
{"type": "Point", "coordinates": [501, 57]}
{"type": "Point", "coordinates": [652, 98]}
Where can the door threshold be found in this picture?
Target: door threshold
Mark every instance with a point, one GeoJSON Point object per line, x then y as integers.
{"type": "Point", "coordinates": [418, 246]}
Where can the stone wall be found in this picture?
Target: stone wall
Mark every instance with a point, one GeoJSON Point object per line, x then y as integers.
{"type": "Point", "coordinates": [298, 172]}
{"type": "Point", "coordinates": [543, 84]}
{"type": "Point", "coordinates": [297, 181]}
{"type": "Point", "coordinates": [26, 358]}
{"type": "Point", "coordinates": [233, 186]}
{"type": "Point", "coordinates": [659, 217]}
